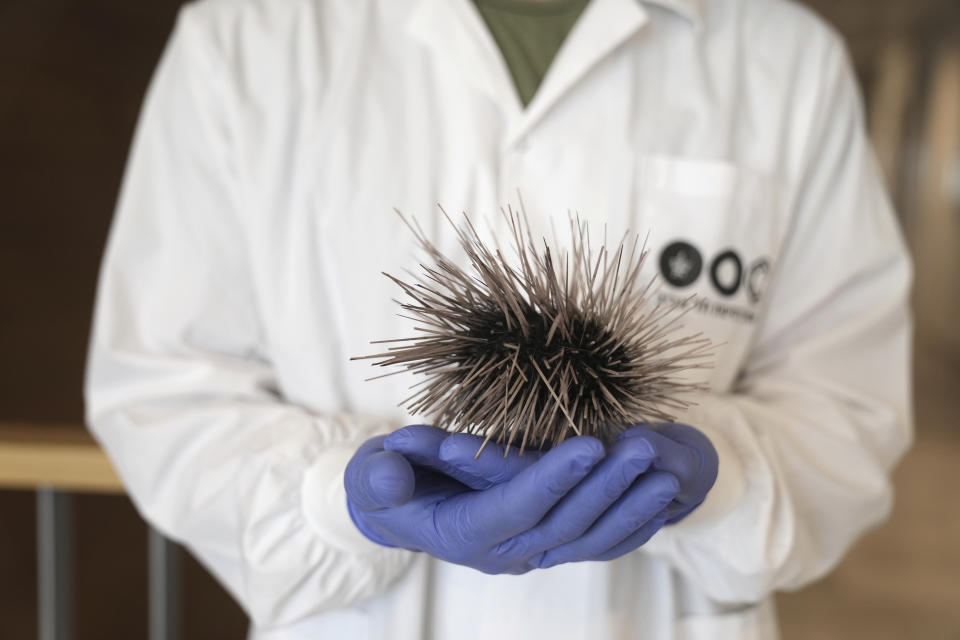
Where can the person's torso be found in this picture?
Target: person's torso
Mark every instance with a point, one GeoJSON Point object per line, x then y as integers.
{"type": "Point", "coordinates": [661, 122]}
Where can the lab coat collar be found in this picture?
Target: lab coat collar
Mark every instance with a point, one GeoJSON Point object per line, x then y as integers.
{"type": "Point", "coordinates": [456, 34]}
{"type": "Point", "coordinates": [603, 26]}
{"type": "Point", "coordinates": [457, 37]}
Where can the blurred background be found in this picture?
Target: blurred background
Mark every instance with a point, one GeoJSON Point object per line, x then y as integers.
{"type": "Point", "coordinates": [72, 75]}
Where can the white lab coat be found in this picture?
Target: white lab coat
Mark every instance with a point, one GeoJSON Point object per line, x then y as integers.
{"type": "Point", "coordinates": [243, 270]}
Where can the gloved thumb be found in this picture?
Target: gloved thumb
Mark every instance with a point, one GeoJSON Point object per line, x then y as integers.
{"type": "Point", "coordinates": [686, 453]}
{"type": "Point", "coordinates": [378, 480]}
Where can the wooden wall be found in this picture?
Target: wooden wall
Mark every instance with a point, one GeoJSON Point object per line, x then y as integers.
{"type": "Point", "coordinates": [72, 75]}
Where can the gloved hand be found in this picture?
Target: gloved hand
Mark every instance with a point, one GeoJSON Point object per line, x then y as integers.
{"type": "Point", "coordinates": [545, 513]}
{"type": "Point", "coordinates": [685, 452]}
{"type": "Point", "coordinates": [678, 449]}
{"type": "Point", "coordinates": [614, 510]}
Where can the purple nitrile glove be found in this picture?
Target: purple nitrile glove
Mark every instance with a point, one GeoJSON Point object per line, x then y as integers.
{"type": "Point", "coordinates": [398, 504]}
{"type": "Point", "coordinates": [688, 454]}
{"type": "Point", "coordinates": [679, 449]}
{"type": "Point", "coordinates": [430, 447]}
{"type": "Point", "coordinates": [617, 507]}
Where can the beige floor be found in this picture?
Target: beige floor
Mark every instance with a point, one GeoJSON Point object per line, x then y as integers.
{"type": "Point", "coordinates": [902, 581]}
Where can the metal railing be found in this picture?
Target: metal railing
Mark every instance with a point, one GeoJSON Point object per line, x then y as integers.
{"type": "Point", "coordinates": [57, 461]}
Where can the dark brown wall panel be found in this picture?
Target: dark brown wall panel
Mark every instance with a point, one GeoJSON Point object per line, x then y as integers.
{"type": "Point", "coordinates": [72, 77]}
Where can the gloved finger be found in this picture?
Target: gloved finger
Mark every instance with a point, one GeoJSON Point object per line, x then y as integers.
{"type": "Point", "coordinates": [492, 466]}
{"type": "Point", "coordinates": [640, 505]}
{"type": "Point", "coordinates": [421, 445]}
{"type": "Point", "coordinates": [375, 478]}
{"type": "Point", "coordinates": [586, 502]}
{"type": "Point", "coordinates": [507, 509]}
{"type": "Point", "coordinates": [635, 540]}
{"type": "Point", "coordinates": [693, 460]}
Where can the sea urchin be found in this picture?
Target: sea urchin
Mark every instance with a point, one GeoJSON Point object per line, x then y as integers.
{"type": "Point", "coordinates": [535, 350]}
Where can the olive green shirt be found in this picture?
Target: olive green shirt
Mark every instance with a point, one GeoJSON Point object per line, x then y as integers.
{"type": "Point", "coordinates": [529, 34]}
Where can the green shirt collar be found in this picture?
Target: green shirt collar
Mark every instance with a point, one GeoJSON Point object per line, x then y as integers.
{"type": "Point", "coordinates": [692, 10]}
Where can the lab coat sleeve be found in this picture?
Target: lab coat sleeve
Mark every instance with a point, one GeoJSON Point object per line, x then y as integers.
{"type": "Point", "coordinates": [179, 387]}
{"type": "Point", "coordinates": [821, 411]}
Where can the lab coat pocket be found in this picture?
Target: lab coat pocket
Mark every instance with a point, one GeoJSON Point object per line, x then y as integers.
{"type": "Point", "coordinates": [715, 230]}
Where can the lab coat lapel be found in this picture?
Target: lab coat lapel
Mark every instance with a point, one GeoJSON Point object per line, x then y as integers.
{"type": "Point", "coordinates": [604, 25]}
{"type": "Point", "coordinates": [457, 37]}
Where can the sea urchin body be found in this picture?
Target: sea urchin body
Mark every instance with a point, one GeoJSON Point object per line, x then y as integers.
{"type": "Point", "coordinates": [549, 345]}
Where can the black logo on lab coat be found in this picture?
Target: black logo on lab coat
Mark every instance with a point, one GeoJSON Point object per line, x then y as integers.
{"type": "Point", "coordinates": [680, 264]}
